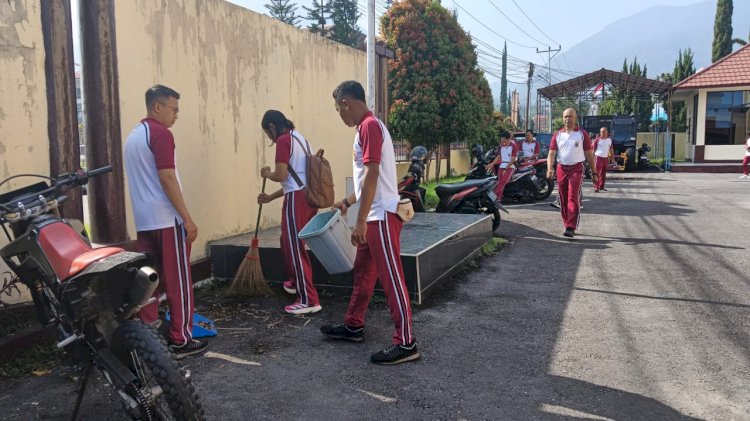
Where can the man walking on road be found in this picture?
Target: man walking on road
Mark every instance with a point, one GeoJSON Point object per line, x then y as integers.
{"type": "Point", "coordinates": [603, 151]}
{"type": "Point", "coordinates": [571, 146]}
{"type": "Point", "coordinates": [377, 231]}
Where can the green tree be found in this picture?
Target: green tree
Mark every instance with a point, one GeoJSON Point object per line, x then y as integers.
{"type": "Point", "coordinates": [722, 44]}
{"type": "Point", "coordinates": [504, 82]}
{"type": "Point", "coordinates": [438, 93]}
{"type": "Point", "coordinates": [318, 15]}
{"type": "Point", "coordinates": [283, 10]}
{"type": "Point", "coordinates": [683, 68]}
{"type": "Point", "coordinates": [345, 14]}
{"type": "Point", "coordinates": [630, 102]}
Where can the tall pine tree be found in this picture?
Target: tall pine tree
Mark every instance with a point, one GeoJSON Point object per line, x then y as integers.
{"type": "Point", "coordinates": [345, 14]}
{"type": "Point", "coordinates": [318, 16]}
{"type": "Point", "coordinates": [722, 30]}
{"type": "Point", "coordinates": [504, 83]}
{"type": "Point", "coordinates": [283, 10]}
{"type": "Point", "coordinates": [683, 68]}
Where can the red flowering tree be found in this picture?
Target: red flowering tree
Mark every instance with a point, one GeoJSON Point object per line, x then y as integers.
{"type": "Point", "coordinates": [438, 94]}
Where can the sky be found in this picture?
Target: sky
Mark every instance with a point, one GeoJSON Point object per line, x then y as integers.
{"type": "Point", "coordinates": [493, 22]}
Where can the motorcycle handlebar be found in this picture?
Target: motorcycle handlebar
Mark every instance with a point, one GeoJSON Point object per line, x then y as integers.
{"type": "Point", "coordinates": [99, 171]}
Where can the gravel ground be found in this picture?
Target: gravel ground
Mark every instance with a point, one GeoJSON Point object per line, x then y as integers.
{"type": "Point", "coordinates": [645, 315]}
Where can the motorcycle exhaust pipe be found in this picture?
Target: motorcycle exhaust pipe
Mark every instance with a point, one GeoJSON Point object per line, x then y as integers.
{"type": "Point", "coordinates": [145, 283]}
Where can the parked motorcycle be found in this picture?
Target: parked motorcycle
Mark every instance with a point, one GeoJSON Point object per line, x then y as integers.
{"type": "Point", "coordinates": [472, 196]}
{"type": "Point", "coordinates": [643, 161]}
{"type": "Point", "coordinates": [528, 183]}
{"type": "Point", "coordinates": [409, 187]}
{"type": "Point", "coordinates": [89, 297]}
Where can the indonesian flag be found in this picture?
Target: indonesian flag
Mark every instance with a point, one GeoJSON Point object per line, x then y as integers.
{"type": "Point", "coordinates": [599, 90]}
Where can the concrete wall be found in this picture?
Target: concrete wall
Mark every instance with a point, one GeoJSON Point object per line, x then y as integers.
{"type": "Point", "coordinates": [24, 144]}
{"type": "Point", "coordinates": [681, 146]}
{"type": "Point", "coordinates": [230, 65]}
{"type": "Point", "coordinates": [460, 163]}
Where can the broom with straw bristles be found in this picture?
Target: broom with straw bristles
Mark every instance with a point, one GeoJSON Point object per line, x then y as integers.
{"type": "Point", "coordinates": [249, 279]}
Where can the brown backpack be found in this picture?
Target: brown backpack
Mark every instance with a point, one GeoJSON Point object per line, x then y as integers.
{"type": "Point", "coordinates": [319, 189]}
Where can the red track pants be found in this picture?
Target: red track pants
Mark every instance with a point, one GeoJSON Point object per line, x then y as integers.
{"type": "Point", "coordinates": [503, 177]}
{"type": "Point", "coordinates": [171, 253]}
{"type": "Point", "coordinates": [601, 171]}
{"type": "Point", "coordinates": [296, 213]}
{"type": "Point", "coordinates": [569, 179]}
{"type": "Point", "coordinates": [380, 259]}
{"type": "Point", "coordinates": [745, 161]}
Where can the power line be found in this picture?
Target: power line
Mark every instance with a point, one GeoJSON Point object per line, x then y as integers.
{"type": "Point", "coordinates": [490, 29]}
{"type": "Point", "coordinates": [514, 24]}
{"type": "Point", "coordinates": [532, 22]}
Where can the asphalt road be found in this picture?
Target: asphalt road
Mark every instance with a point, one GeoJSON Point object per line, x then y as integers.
{"type": "Point", "coordinates": [645, 315]}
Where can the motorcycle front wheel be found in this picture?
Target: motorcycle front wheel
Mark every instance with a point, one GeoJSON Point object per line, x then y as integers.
{"type": "Point", "coordinates": [162, 390]}
{"type": "Point", "coordinates": [546, 191]}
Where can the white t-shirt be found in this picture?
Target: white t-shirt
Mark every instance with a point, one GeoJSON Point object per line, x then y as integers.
{"type": "Point", "coordinates": [602, 147]}
{"type": "Point", "coordinates": [570, 147]}
{"type": "Point", "coordinates": [373, 143]}
{"type": "Point", "coordinates": [289, 150]}
{"type": "Point", "coordinates": [747, 144]}
{"type": "Point", "coordinates": [506, 153]}
{"type": "Point", "coordinates": [149, 148]}
{"type": "Point", "coordinates": [529, 148]}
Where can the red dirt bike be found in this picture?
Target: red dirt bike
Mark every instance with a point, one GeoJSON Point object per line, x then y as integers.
{"type": "Point", "coordinates": [89, 296]}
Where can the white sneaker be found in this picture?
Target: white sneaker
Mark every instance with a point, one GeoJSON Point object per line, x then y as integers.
{"type": "Point", "coordinates": [298, 308]}
{"type": "Point", "coordinates": [290, 288]}
{"type": "Point", "coordinates": [743, 176]}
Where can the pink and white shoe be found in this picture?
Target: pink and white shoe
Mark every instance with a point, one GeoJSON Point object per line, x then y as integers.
{"type": "Point", "coordinates": [299, 308]}
{"type": "Point", "coordinates": [290, 288]}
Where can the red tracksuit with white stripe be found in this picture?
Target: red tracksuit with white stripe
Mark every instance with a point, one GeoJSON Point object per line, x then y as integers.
{"type": "Point", "coordinates": [570, 149]}
{"type": "Point", "coordinates": [150, 148]}
{"type": "Point", "coordinates": [602, 150]}
{"type": "Point", "coordinates": [506, 154]}
{"type": "Point", "coordinates": [296, 213]}
{"type": "Point", "coordinates": [379, 259]}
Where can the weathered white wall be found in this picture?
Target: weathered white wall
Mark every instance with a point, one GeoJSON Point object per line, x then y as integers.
{"type": "Point", "coordinates": [24, 145]}
{"type": "Point", "coordinates": [230, 65]}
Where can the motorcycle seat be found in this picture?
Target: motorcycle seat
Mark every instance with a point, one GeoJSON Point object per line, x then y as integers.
{"type": "Point", "coordinates": [448, 189]}
{"type": "Point", "coordinates": [67, 252]}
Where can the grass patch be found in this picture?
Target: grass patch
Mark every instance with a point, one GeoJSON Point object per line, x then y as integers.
{"type": "Point", "coordinates": [39, 360]}
{"type": "Point", "coordinates": [493, 246]}
{"type": "Point", "coordinates": [431, 198]}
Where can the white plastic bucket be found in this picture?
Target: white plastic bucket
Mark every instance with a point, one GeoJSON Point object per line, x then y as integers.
{"type": "Point", "coordinates": [329, 238]}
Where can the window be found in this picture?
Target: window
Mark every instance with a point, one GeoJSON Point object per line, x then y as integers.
{"type": "Point", "coordinates": [726, 117]}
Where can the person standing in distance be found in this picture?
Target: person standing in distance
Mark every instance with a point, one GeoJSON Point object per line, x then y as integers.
{"type": "Point", "coordinates": [377, 231]}
{"type": "Point", "coordinates": [746, 159]}
{"type": "Point", "coordinates": [571, 146]}
{"type": "Point", "coordinates": [164, 225]}
{"type": "Point", "coordinates": [603, 150]}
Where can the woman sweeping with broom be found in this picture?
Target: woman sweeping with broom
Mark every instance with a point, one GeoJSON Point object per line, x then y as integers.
{"type": "Point", "coordinates": [290, 171]}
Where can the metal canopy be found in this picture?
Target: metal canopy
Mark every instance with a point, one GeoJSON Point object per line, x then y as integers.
{"type": "Point", "coordinates": [614, 79]}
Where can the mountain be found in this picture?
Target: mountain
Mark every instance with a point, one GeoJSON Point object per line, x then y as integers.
{"type": "Point", "coordinates": [655, 36]}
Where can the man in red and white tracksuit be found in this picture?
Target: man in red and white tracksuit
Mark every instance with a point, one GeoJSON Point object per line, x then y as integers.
{"type": "Point", "coordinates": [505, 161]}
{"type": "Point", "coordinates": [530, 147]}
{"type": "Point", "coordinates": [571, 146]}
{"type": "Point", "coordinates": [603, 150]}
{"type": "Point", "coordinates": [376, 232]}
{"type": "Point", "coordinates": [164, 225]}
{"type": "Point", "coordinates": [289, 170]}
{"type": "Point", "coordinates": [746, 159]}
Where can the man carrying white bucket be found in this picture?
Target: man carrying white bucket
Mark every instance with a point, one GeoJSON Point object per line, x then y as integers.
{"type": "Point", "coordinates": [376, 233]}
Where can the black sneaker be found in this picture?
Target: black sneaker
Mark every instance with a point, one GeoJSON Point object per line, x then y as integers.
{"type": "Point", "coordinates": [569, 232]}
{"type": "Point", "coordinates": [396, 354]}
{"type": "Point", "coordinates": [344, 332]}
{"type": "Point", "coordinates": [193, 347]}
{"type": "Point", "coordinates": [603, 189]}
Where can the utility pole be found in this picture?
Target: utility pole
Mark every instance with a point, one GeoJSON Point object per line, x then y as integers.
{"type": "Point", "coordinates": [528, 96]}
{"type": "Point", "coordinates": [371, 54]}
{"type": "Point", "coordinates": [549, 51]}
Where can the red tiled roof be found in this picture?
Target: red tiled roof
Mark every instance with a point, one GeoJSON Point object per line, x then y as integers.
{"type": "Point", "coordinates": [732, 70]}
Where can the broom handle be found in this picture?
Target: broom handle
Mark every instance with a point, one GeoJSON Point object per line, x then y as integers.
{"type": "Point", "coordinates": [260, 208]}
